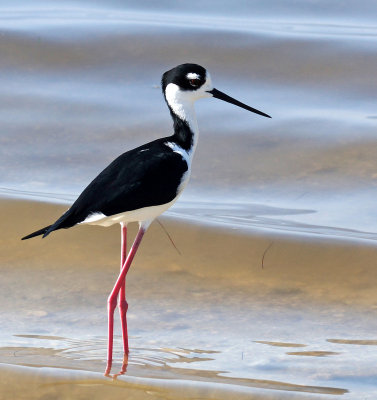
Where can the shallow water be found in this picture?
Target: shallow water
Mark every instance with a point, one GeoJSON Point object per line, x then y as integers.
{"type": "Point", "coordinates": [303, 320]}
{"type": "Point", "coordinates": [274, 295]}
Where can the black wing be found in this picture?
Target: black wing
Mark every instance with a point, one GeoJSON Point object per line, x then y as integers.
{"type": "Point", "coordinates": [146, 176]}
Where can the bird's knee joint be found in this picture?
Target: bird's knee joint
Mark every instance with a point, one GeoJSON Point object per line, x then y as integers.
{"type": "Point", "coordinates": [111, 303]}
{"type": "Point", "coordinates": [123, 306]}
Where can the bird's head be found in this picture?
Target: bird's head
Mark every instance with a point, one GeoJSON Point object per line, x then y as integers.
{"type": "Point", "coordinates": [186, 83]}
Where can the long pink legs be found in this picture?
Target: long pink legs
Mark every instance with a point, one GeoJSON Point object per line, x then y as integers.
{"type": "Point", "coordinates": [123, 306]}
{"type": "Point", "coordinates": [112, 300]}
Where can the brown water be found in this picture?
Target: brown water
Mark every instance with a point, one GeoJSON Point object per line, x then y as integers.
{"type": "Point", "coordinates": [274, 293]}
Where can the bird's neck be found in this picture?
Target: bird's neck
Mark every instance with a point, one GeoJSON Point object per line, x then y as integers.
{"type": "Point", "coordinates": [186, 131]}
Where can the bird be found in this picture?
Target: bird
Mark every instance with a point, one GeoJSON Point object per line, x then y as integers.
{"type": "Point", "coordinates": [144, 182]}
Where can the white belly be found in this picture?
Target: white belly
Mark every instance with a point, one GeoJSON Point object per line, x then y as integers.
{"type": "Point", "coordinates": [142, 214]}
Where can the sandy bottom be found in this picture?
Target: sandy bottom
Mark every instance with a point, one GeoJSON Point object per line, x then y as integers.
{"type": "Point", "coordinates": [213, 322]}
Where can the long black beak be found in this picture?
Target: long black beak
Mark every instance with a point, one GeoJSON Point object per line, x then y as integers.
{"type": "Point", "coordinates": [222, 96]}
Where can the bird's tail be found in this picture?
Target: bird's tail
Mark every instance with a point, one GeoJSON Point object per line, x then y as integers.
{"type": "Point", "coordinates": [63, 222]}
{"type": "Point", "coordinates": [42, 231]}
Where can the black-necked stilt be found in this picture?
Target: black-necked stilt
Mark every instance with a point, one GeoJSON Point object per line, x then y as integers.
{"type": "Point", "coordinates": [144, 182]}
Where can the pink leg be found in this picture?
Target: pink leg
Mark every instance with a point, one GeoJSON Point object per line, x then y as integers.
{"type": "Point", "coordinates": [112, 300]}
{"type": "Point", "coordinates": [123, 306]}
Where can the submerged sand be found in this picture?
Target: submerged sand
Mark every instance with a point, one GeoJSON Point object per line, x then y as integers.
{"type": "Point", "coordinates": [212, 322]}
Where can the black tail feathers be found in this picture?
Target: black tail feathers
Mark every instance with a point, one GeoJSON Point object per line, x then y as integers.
{"type": "Point", "coordinates": [44, 231]}
{"type": "Point", "coordinates": [65, 221]}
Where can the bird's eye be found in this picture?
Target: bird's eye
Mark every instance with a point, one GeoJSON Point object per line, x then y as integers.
{"type": "Point", "coordinates": [194, 82]}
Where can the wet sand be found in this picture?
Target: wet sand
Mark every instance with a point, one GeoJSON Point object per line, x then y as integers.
{"type": "Point", "coordinates": [212, 315]}
{"type": "Point", "coordinates": [47, 383]}
{"type": "Point", "coordinates": [318, 269]}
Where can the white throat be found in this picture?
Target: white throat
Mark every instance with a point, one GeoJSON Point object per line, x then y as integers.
{"type": "Point", "coordinates": [182, 104]}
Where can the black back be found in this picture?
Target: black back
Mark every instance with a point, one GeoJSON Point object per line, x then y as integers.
{"type": "Point", "coordinates": [146, 176]}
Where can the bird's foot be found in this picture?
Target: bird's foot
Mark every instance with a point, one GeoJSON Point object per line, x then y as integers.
{"type": "Point", "coordinates": [124, 365]}
{"type": "Point", "coordinates": [123, 369]}
{"type": "Point", "coordinates": [108, 369]}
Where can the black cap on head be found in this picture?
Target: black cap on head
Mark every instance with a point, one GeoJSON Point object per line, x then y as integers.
{"type": "Point", "coordinates": [187, 76]}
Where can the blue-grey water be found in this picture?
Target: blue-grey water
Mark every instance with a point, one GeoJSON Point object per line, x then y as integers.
{"type": "Point", "coordinates": [80, 84]}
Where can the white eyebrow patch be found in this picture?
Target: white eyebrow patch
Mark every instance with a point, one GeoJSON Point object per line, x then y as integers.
{"type": "Point", "coordinates": [192, 75]}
